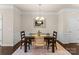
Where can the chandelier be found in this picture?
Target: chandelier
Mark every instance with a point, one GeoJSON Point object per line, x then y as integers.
{"type": "Point", "coordinates": [39, 17]}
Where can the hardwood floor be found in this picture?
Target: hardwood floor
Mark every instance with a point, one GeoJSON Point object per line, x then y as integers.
{"type": "Point", "coordinates": [0, 50]}
{"type": "Point", "coordinates": [73, 48]}
{"type": "Point", "coordinates": [8, 50]}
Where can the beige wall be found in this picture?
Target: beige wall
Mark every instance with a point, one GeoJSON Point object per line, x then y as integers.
{"type": "Point", "coordinates": [1, 29]}
{"type": "Point", "coordinates": [65, 22]}
{"type": "Point", "coordinates": [16, 25]}
{"type": "Point", "coordinates": [68, 31]}
{"type": "Point", "coordinates": [11, 24]}
{"type": "Point", "coordinates": [7, 14]}
{"type": "Point", "coordinates": [51, 19]}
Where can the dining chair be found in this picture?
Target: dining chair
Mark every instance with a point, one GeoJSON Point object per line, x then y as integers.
{"type": "Point", "coordinates": [23, 38]}
{"type": "Point", "coordinates": [55, 39]}
{"type": "Point", "coordinates": [49, 40]}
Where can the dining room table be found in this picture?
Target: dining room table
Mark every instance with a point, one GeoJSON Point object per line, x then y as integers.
{"type": "Point", "coordinates": [30, 38]}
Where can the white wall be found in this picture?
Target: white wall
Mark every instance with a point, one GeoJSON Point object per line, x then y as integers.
{"type": "Point", "coordinates": [28, 22]}
{"type": "Point", "coordinates": [7, 12]}
{"type": "Point", "coordinates": [1, 30]}
{"type": "Point", "coordinates": [66, 23]}
{"type": "Point", "coordinates": [17, 25]}
{"type": "Point", "coordinates": [68, 26]}
{"type": "Point", "coordinates": [11, 24]}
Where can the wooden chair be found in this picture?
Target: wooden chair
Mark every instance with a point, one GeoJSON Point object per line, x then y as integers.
{"type": "Point", "coordinates": [49, 40]}
{"type": "Point", "coordinates": [55, 38]}
{"type": "Point", "coordinates": [28, 42]}
{"type": "Point", "coordinates": [22, 38]}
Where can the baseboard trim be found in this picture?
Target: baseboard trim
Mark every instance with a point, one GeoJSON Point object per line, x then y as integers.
{"type": "Point", "coordinates": [16, 46]}
{"type": "Point", "coordinates": [60, 43]}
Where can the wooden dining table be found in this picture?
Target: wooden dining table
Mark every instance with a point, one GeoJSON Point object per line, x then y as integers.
{"type": "Point", "coordinates": [29, 39]}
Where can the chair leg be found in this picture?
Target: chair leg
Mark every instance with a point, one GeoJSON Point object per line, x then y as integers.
{"type": "Point", "coordinates": [48, 47]}
{"type": "Point", "coordinates": [30, 42]}
{"type": "Point", "coordinates": [25, 47]}
{"type": "Point", "coordinates": [53, 49]}
{"type": "Point", "coordinates": [29, 47]}
{"type": "Point", "coordinates": [55, 46]}
{"type": "Point", "coordinates": [21, 46]}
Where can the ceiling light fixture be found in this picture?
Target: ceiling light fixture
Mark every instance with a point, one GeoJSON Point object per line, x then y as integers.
{"type": "Point", "coordinates": [39, 17]}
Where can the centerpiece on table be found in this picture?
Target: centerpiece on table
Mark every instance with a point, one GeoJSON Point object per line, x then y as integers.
{"type": "Point", "coordinates": [39, 33]}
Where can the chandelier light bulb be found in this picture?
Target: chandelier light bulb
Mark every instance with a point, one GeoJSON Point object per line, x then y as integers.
{"type": "Point", "coordinates": [42, 18]}
{"type": "Point", "coordinates": [39, 22]}
{"type": "Point", "coordinates": [37, 18]}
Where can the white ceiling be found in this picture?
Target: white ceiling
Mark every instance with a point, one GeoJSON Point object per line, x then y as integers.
{"type": "Point", "coordinates": [44, 7]}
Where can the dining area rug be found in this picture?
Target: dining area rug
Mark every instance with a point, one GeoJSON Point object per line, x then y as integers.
{"type": "Point", "coordinates": [42, 51]}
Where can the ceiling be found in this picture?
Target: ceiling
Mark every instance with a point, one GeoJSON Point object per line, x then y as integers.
{"type": "Point", "coordinates": [44, 7]}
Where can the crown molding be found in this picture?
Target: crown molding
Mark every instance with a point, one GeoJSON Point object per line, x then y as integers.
{"type": "Point", "coordinates": [43, 13]}
{"type": "Point", "coordinates": [4, 6]}
{"type": "Point", "coordinates": [68, 10]}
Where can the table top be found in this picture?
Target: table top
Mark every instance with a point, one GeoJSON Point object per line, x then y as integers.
{"type": "Point", "coordinates": [37, 36]}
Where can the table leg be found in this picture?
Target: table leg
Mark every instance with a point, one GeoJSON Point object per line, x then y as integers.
{"type": "Point", "coordinates": [48, 45]}
{"type": "Point", "coordinates": [30, 41]}
{"type": "Point", "coordinates": [29, 45]}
